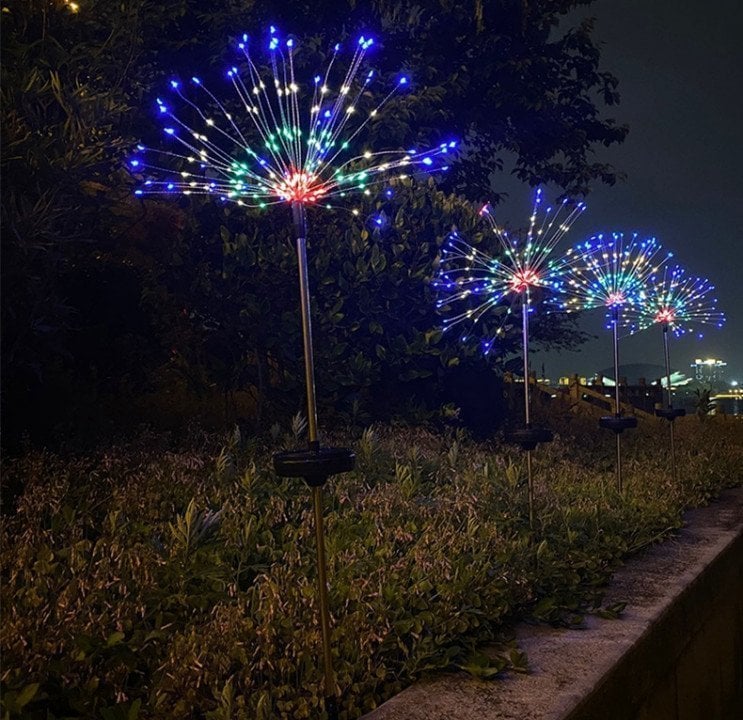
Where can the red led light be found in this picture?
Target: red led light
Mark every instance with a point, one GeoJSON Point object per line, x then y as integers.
{"type": "Point", "coordinates": [301, 187]}
{"type": "Point", "coordinates": [523, 279]}
{"type": "Point", "coordinates": [615, 298]}
{"type": "Point", "coordinates": [666, 315]}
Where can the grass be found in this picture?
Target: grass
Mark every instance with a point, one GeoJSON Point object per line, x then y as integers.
{"type": "Point", "coordinates": [163, 579]}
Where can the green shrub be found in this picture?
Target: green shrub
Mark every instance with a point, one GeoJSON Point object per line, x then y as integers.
{"type": "Point", "coordinates": [145, 580]}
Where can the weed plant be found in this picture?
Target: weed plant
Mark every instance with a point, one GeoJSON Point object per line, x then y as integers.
{"type": "Point", "coordinates": [151, 580]}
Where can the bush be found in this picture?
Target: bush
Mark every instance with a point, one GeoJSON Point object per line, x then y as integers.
{"type": "Point", "coordinates": [149, 580]}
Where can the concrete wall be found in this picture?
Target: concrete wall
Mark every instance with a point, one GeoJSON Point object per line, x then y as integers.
{"type": "Point", "coordinates": [689, 663]}
{"type": "Point", "coordinates": [675, 654]}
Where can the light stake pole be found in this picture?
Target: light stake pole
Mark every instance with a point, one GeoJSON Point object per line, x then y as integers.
{"type": "Point", "coordinates": [617, 406]}
{"type": "Point", "coordinates": [669, 412]}
{"type": "Point", "coordinates": [300, 226]}
{"type": "Point", "coordinates": [299, 216]}
{"type": "Point", "coordinates": [667, 355]}
{"type": "Point", "coordinates": [670, 394]}
{"type": "Point", "coordinates": [527, 409]}
{"type": "Point", "coordinates": [316, 464]}
{"type": "Point", "coordinates": [527, 437]}
{"type": "Point", "coordinates": [617, 423]}
{"type": "Point", "coordinates": [322, 591]}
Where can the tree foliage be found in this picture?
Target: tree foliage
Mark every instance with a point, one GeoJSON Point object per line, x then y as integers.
{"type": "Point", "coordinates": [504, 74]}
{"type": "Point", "coordinates": [124, 591]}
{"type": "Point", "coordinates": [107, 296]}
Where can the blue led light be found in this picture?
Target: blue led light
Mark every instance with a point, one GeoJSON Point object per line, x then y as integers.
{"type": "Point", "coordinates": [299, 163]}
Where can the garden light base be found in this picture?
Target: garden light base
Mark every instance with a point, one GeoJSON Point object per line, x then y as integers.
{"type": "Point", "coordinates": [314, 466]}
{"type": "Point", "coordinates": [618, 423]}
{"type": "Point", "coordinates": [670, 413]}
{"type": "Point", "coordinates": [529, 437]}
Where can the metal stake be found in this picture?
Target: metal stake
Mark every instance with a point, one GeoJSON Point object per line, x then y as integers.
{"type": "Point", "coordinates": [670, 398]}
{"type": "Point", "coordinates": [300, 226]}
{"type": "Point", "coordinates": [322, 587]}
{"type": "Point", "coordinates": [531, 489]}
{"type": "Point", "coordinates": [617, 406]}
{"type": "Point", "coordinates": [527, 410]}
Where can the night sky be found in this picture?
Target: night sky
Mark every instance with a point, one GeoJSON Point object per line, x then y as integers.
{"type": "Point", "coordinates": [680, 67]}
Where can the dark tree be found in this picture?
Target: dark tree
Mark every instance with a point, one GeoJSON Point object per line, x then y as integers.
{"type": "Point", "coordinates": [509, 76]}
{"type": "Point", "coordinates": [108, 297]}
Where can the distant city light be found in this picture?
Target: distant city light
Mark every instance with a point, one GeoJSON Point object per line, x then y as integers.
{"type": "Point", "coordinates": [709, 369]}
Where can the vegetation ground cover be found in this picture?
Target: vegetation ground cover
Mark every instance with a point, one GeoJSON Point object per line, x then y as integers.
{"type": "Point", "coordinates": [175, 578]}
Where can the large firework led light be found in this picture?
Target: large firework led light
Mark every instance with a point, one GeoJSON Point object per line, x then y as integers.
{"type": "Point", "coordinates": [271, 146]}
{"type": "Point", "coordinates": [473, 286]}
{"type": "Point", "coordinates": [610, 272]}
{"type": "Point", "coordinates": [282, 141]}
{"type": "Point", "coordinates": [677, 302]}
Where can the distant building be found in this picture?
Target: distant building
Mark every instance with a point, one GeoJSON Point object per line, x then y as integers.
{"type": "Point", "coordinates": [567, 379]}
{"type": "Point", "coordinates": [709, 370]}
{"type": "Point", "coordinates": [636, 373]}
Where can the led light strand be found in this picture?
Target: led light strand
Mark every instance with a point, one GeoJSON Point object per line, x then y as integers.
{"type": "Point", "coordinates": [470, 282]}
{"type": "Point", "coordinates": [610, 271]}
{"type": "Point", "coordinates": [675, 299]}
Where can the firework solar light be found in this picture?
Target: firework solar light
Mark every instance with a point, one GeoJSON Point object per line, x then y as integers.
{"type": "Point", "coordinates": [678, 302]}
{"type": "Point", "coordinates": [276, 148]}
{"type": "Point", "coordinates": [474, 287]}
{"type": "Point", "coordinates": [610, 272]}
{"type": "Point", "coordinates": [267, 146]}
